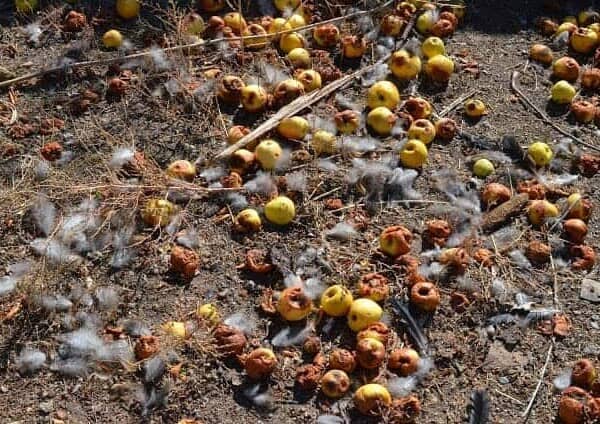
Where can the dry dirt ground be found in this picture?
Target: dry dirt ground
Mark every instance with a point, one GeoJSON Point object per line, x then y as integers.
{"type": "Point", "coordinates": [495, 36]}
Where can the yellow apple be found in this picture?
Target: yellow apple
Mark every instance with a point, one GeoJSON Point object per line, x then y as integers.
{"type": "Point", "coordinates": [483, 167]}
{"type": "Point", "coordinates": [175, 329]}
{"type": "Point", "coordinates": [323, 142]}
{"type": "Point", "coordinates": [423, 130]}
{"type": "Point", "coordinates": [259, 34]}
{"type": "Point", "coordinates": [539, 210]}
{"type": "Point", "coordinates": [278, 25]}
{"type": "Point", "coordinates": [128, 9]}
{"type": "Point", "coordinates": [268, 152]}
{"type": "Point", "coordinates": [296, 21]}
{"type": "Point", "coordinates": [158, 212]}
{"type": "Point", "coordinates": [291, 41]}
{"type": "Point", "coordinates": [235, 21]}
{"type": "Point", "coordinates": [395, 241]}
{"type": "Point", "coordinates": [383, 93]}
{"type": "Point", "coordinates": [425, 21]}
{"type": "Point", "coordinates": [584, 40]}
{"type": "Point", "coordinates": [475, 108]}
{"type": "Point", "coordinates": [248, 220]}
{"type": "Point", "coordinates": [562, 92]}
{"type": "Point", "coordinates": [286, 5]}
{"type": "Point", "coordinates": [353, 46]}
{"type": "Point", "coordinates": [362, 313]}
{"type": "Point", "coordinates": [310, 79]}
{"type": "Point", "coordinates": [280, 211]}
{"type": "Point", "coordinates": [347, 121]}
{"type": "Point", "coordinates": [370, 398]}
{"type": "Point", "coordinates": [254, 98]}
{"type": "Point", "coordinates": [112, 39]}
{"type": "Point", "coordinates": [26, 6]}
{"type": "Point", "coordinates": [382, 120]}
{"type": "Point", "coordinates": [439, 68]}
{"type": "Point", "coordinates": [294, 304]}
{"type": "Point", "coordinates": [299, 58]}
{"type": "Point", "coordinates": [404, 65]}
{"type": "Point", "coordinates": [433, 46]}
{"type": "Point", "coordinates": [294, 128]}
{"type": "Point", "coordinates": [335, 384]}
{"type": "Point", "coordinates": [540, 153]}
{"type": "Point", "coordinates": [413, 154]}
{"type": "Point", "coordinates": [208, 312]}
{"type": "Point", "coordinates": [336, 301]}
{"type": "Point", "coordinates": [193, 24]}
{"type": "Point", "coordinates": [182, 169]}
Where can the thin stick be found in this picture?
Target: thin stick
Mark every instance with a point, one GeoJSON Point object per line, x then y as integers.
{"type": "Point", "coordinates": [514, 82]}
{"type": "Point", "coordinates": [303, 102]}
{"type": "Point", "coordinates": [202, 43]}
{"type": "Point", "coordinates": [457, 102]}
{"type": "Point", "coordinates": [509, 397]}
{"type": "Point", "coordinates": [320, 196]}
{"type": "Point", "coordinates": [539, 384]}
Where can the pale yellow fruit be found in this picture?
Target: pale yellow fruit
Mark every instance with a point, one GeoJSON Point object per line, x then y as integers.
{"type": "Point", "coordinates": [362, 313]}
{"type": "Point", "coordinates": [413, 154]}
{"type": "Point", "coordinates": [286, 5]}
{"type": "Point", "coordinates": [280, 211]}
{"type": "Point", "coordinates": [310, 79]}
{"type": "Point", "coordinates": [294, 128]}
{"type": "Point", "coordinates": [423, 130]}
{"type": "Point", "coordinates": [433, 46]}
{"type": "Point", "coordinates": [209, 313]}
{"type": "Point", "coordinates": [112, 39]}
{"type": "Point", "coordinates": [336, 301]}
{"type": "Point", "coordinates": [26, 6]}
{"type": "Point", "coordinates": [382, 120]}
{"type": "Point", "coordinates": [175, 329]}
{"type": "Point", "coordinates": [299, 58]}
{"type": "Point", "coordinates": [128, 9]}
{"type": "Point", "coordinates": [254, 98]}
{"type": "Point", "coordinates": [278, 25]}
{"type": "Point", "coordinates": [383, 93]}
{"type": "Point", "coordinates": [404, 65]}
{"type": "Point", "coordinates": [370, 398]}
{"type": "Point", "coordinates": [158, 212]}
{"type": "Point", "coordinates": [291, 41]}
{"type": "Point", "coordinates": [296, 21]}
{"type": "Point", "coordinates": [323, 142]}
{"type": "Point", "coordinates": [268, 152]}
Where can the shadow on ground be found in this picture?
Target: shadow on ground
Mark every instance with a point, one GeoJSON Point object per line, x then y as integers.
{"type": "Point", "coordinates": [511, 16]}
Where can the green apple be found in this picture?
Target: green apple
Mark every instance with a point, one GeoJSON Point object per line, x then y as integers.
{"type": "Point", "coordinates": [483, 167]}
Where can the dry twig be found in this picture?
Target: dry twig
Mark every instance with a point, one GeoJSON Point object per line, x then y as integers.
{"type": "Point", "coordinates": [527, 411]}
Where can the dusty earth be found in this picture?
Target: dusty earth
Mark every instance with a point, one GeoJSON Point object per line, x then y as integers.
{"type": "Point", "coordinates": [507, 364]}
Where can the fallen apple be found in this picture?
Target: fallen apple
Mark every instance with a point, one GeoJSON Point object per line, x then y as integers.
{"type": "Point", "coordinates": [280, 211]}
{"type": "Point", "coordinates": [362, 313]}
{"type": "Point", "coordinates": [336, 301]}
{"type": "Point", "coordinates": [414, 154]}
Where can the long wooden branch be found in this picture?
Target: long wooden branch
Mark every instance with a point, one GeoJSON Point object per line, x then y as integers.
{"type": "Point", "coordinates": [514, 84]}
{"type": "Point", "coordinates": [108, 61]}
{"type": "Point", "coordinates": [305, 101]}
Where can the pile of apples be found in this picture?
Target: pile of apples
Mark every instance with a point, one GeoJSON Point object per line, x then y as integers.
{"type": "Point", "coordinates": [582, 35]}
